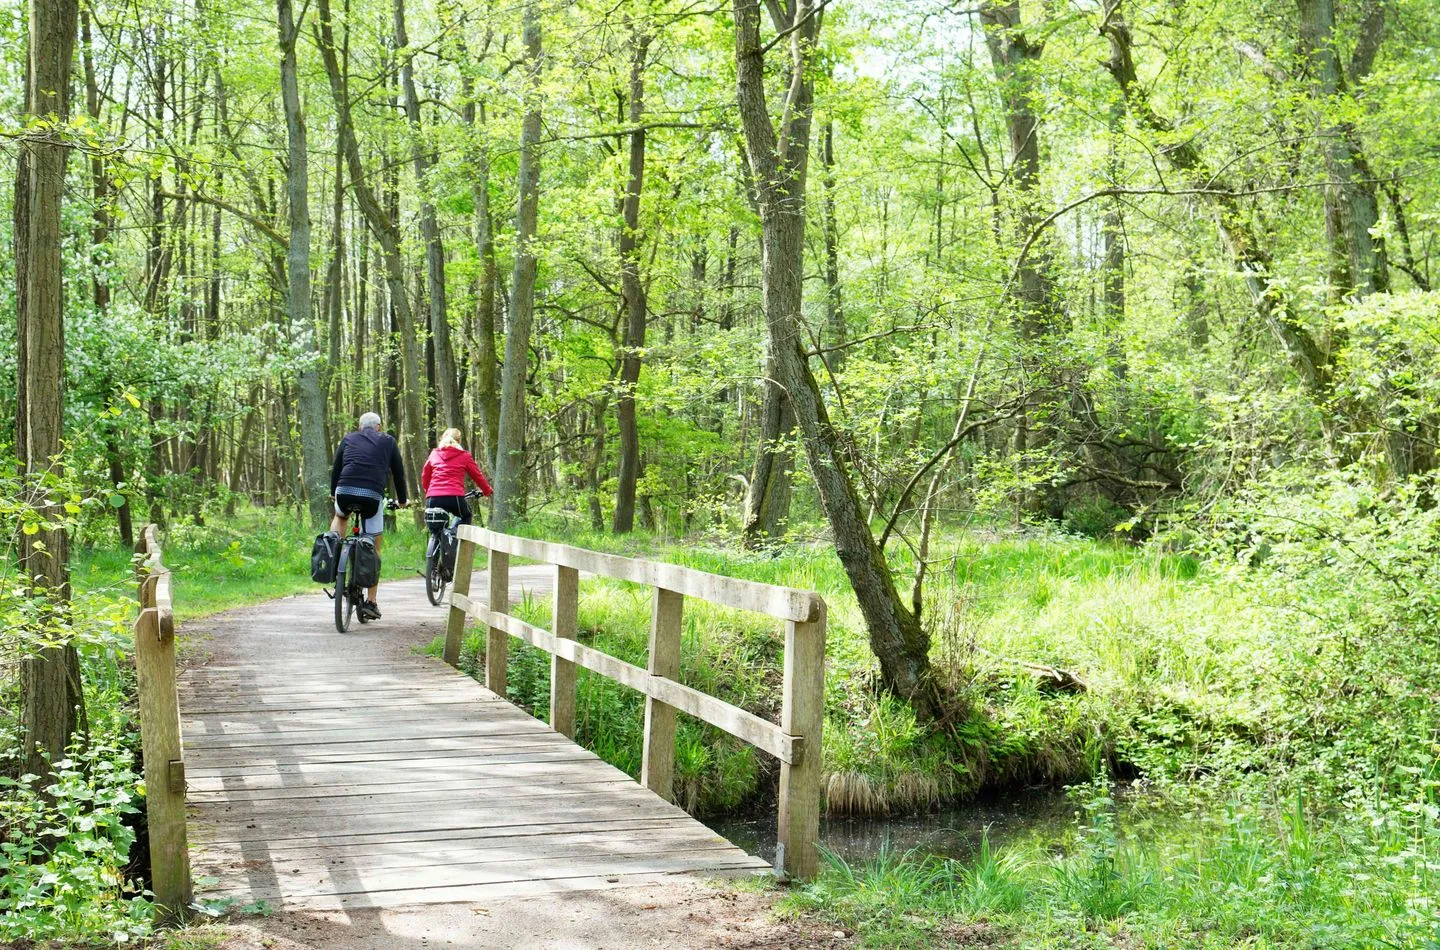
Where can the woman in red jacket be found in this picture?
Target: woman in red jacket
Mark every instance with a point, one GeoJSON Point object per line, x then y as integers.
{"type": "Point", "coordinates": [442, 480]}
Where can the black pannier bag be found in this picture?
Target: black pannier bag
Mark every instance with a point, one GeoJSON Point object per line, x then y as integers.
{"type": "Point", "coordinates": [325, 557]}
{"type": "Point", "coordinates": [452, 547]}
{"type": "Point", "coordinates": [436, 519]}
{"type": "Point", "coordinates": [366, 569]}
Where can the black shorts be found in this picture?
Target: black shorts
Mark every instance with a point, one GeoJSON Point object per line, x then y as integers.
{"type": "Point", "coordinates": [368, 507]}
{"type": "Point", "coordinates": [455, 504]}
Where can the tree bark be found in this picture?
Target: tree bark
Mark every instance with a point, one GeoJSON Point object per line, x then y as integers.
{"type": "Point", "coordinates": [834, 304]}
{"type": "Point", "coordinates": [1352, 208]}
{"type": "Point", "coordinates": [510, 453]}
{"type": "Point", "coordinates": [382, 224]}
{"type": "Point", "coordinates": [778, 164]}
{"type": "Point", "coordinates": [314, 457]}
{"type": "Point", "coordinates": [632, 292]}
{"type": "Point", "coordinates": [52, 701]}
{"type": "Point", "coordinates": [487, 396]}
{"type": "Point", "coordinates": [448, 397]}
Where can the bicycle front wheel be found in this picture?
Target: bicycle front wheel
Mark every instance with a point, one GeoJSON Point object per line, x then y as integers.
{"type": "Point", "coordinates": [344, 605]}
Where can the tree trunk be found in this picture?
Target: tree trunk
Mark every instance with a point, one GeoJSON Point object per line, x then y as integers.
{"type": "Point", "coordinates": [834, 306]}
{"type": "Point", "coordinates": [382, 224]}
{"type": "Point", "coordinates": [52, 700]}
{"type": "Point", "coordinates": [448, 398]}
{"type": "Point", "coordinates": [767, 501]}
{"type": "Point", "coordinates": [314, 457]}
{"type": "Point", "coordinates": [510, 452]}
{"type": "Point", "coordinates": [1352, 208]}
{"type": "Point", "coordinates": [487, 397]}
{"type": "Point", "coordinates": [778, 164]}
{"type": "Point", "coordinates": [632, 292]}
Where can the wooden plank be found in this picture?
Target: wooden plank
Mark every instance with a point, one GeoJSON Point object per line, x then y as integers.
{"type": "Point", "coordinates": [657, 768]}
{"type": "Point", "coordinates": [320, 826]}
{"type": "Point", "coordinates": [765, 736]}
{"type": "Point", "coordinates": [356, 781]}
{"type": "Point", "coordinates": [384, 750]}
{"type": "Point", "coordinates": [455, 619]}
{"type": "Point", "coordinates": [566, 614]}
{"type": "Point", "coordinates": [802, 713]}
{"type": "Point", "coordinates": [373, 881]}
{"type": "Point", "coordinates": [783, 603]}
{"type": "Point", "coordinates": [405, 838]}
{"type": "Point", "coordinates": [412, 731]}
{"type": "Point", "coordinates": [373, 802]}
{"type": "Point", "coordinates": [485, 893]}
{"type": "Point", "coordinates": [681, 837]}
{"type": "Point", "coordinates": [497, 645]}
{"type": "Point", "coordinates": [460, 760]}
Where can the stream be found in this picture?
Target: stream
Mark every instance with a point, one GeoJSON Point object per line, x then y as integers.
{"type": "Point", "coordinates": [952, 832]}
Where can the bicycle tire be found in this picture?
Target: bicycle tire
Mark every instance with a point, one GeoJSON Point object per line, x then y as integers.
{"type": "Point", "coordinates": [435, 579]}
{"type": "Point", "coordinates": [344, 605]}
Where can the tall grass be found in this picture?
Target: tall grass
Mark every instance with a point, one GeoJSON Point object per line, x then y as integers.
{"type": "Point", "coordinates": [1232, 874]}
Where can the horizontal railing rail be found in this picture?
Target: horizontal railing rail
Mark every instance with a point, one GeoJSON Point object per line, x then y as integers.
{"type": "Point", "coordinates": [795, 740]}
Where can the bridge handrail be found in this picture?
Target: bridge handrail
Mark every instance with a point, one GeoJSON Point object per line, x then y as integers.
{"type": "Point", "coordinates": [795, 741]}
{"type": "Point", "coordinates": [160, 730]}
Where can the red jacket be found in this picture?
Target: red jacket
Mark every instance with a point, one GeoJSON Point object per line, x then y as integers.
{"type": "Point", "coordinates": [445, 470]}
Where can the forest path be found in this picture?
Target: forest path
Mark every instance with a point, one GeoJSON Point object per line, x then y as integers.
{"type": "Point", "coordinates": [374, 797]}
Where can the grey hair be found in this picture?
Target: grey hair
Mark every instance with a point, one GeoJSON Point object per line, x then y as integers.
{"type": "Point", "coordinates": [370, 421]}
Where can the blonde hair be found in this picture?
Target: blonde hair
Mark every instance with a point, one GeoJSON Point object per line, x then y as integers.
{"type": "Point", "coordinates": [450, 437]}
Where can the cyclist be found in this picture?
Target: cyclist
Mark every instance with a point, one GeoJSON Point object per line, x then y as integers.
{"type": "Point", "coordinates": [364, 461]}
{"type": "Point", "coordinates": [442, 480]}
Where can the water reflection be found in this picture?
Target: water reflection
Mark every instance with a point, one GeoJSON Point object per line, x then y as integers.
{"type": "Point", "coordinates": [953, 833]}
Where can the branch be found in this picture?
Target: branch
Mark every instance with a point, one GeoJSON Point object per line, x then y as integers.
{"type": "Point", "coordinates": [240, 213]}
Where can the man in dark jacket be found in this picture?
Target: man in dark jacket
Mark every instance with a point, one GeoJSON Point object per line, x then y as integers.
{"type": "Point", "coordinates": [365, 460]}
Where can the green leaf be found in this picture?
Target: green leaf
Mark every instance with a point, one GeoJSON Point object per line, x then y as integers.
{"type": "Point", "coordinates": [116, 500]}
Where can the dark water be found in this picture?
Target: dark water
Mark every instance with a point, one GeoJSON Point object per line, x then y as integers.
{"type": "Point", "coordinates": [955, 832]}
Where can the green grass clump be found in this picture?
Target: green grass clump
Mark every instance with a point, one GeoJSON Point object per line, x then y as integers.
{"type": "Point", "coordinates": [256, 555]}
{"type": "Point", "coordinates": [1224, 874]}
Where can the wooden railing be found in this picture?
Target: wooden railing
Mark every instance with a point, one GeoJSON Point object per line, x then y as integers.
{"type": "Point", "coordinates": [160, 732]}
{"type": "Point", "coordinates": [795, 741]}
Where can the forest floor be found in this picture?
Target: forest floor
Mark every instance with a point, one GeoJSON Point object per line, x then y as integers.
{"type": "Point", "coordinates": [688, 912]}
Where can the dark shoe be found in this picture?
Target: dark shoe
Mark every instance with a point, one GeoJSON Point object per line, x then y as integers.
{"type": "Point", "coordinates": [369, 610]}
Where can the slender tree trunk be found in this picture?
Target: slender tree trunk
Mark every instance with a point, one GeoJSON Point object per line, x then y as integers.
{"type": "Point", "coordinates": [632, 292]}
{"type": "Point", "coordinates": [510, 454]}
{"type": "Point", "coordinates": [1352, 208]}
{"type": "Point", "coordinates": [767, 501]}
{"type": "Point", "coordinates": [487, 396]}
{"type": "Point", "coordinates": [448, 398]}
{"type": "Point", "coordinates": [314, 457]}
{"type": "Point", "coordinates": [383, 226]}
{"type": "Point", "coordinates": [778, 165]}
{"type": "Point", "coordinates": [834, 304]}
{"type": "Point", "coordinates": [52, 700]}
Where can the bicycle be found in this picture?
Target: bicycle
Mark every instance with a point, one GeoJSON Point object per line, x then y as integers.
{"type": "Point", "coordinates": [348, 591]}
{"type": "Point", "coordinates": [440, 569]}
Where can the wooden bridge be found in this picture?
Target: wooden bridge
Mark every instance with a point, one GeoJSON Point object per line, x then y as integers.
{"type": "Point", "coordinates": [326, 771]}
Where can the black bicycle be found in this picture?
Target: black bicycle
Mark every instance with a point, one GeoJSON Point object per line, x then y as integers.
{"type": "Point", "coordinates": [350, 588]}
{"type": "Point", "coordinates": [440, 550]}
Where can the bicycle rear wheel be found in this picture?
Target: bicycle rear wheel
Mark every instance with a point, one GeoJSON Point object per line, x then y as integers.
{"type": "Point", "coordinates": [435, 574]}
{"type": "Point", "coordinates": [344, 605]}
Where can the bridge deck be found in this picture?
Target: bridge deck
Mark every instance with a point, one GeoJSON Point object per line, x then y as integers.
{"type": "Point", "coordinates": [331, 770]}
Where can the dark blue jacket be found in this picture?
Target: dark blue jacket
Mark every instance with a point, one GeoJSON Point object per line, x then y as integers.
{"type": "Point", "coordinates": [366, 459]}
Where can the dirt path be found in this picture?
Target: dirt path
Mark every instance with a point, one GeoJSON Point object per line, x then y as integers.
{"type": "Point", "coordinates": [685, 913]}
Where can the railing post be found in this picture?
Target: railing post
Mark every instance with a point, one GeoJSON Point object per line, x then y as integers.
{"type": "Point", "coordinates": [455, 623]}
{"type": "Point", "coordinates": [161, 743]}
{"type": "Point", "coordinates": [562, 671]}
{"type": "Point", "coordinates": [657, 768]}
{"type": "Point", "coordinates": [802, 714]}
{"type": "Point", "coordinates": [497, 642]}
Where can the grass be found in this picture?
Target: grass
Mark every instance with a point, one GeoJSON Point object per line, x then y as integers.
{"type": "Point", "coordinates": [1231, 874]}
{"type": "Point", "coordinates": [255, 556]}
